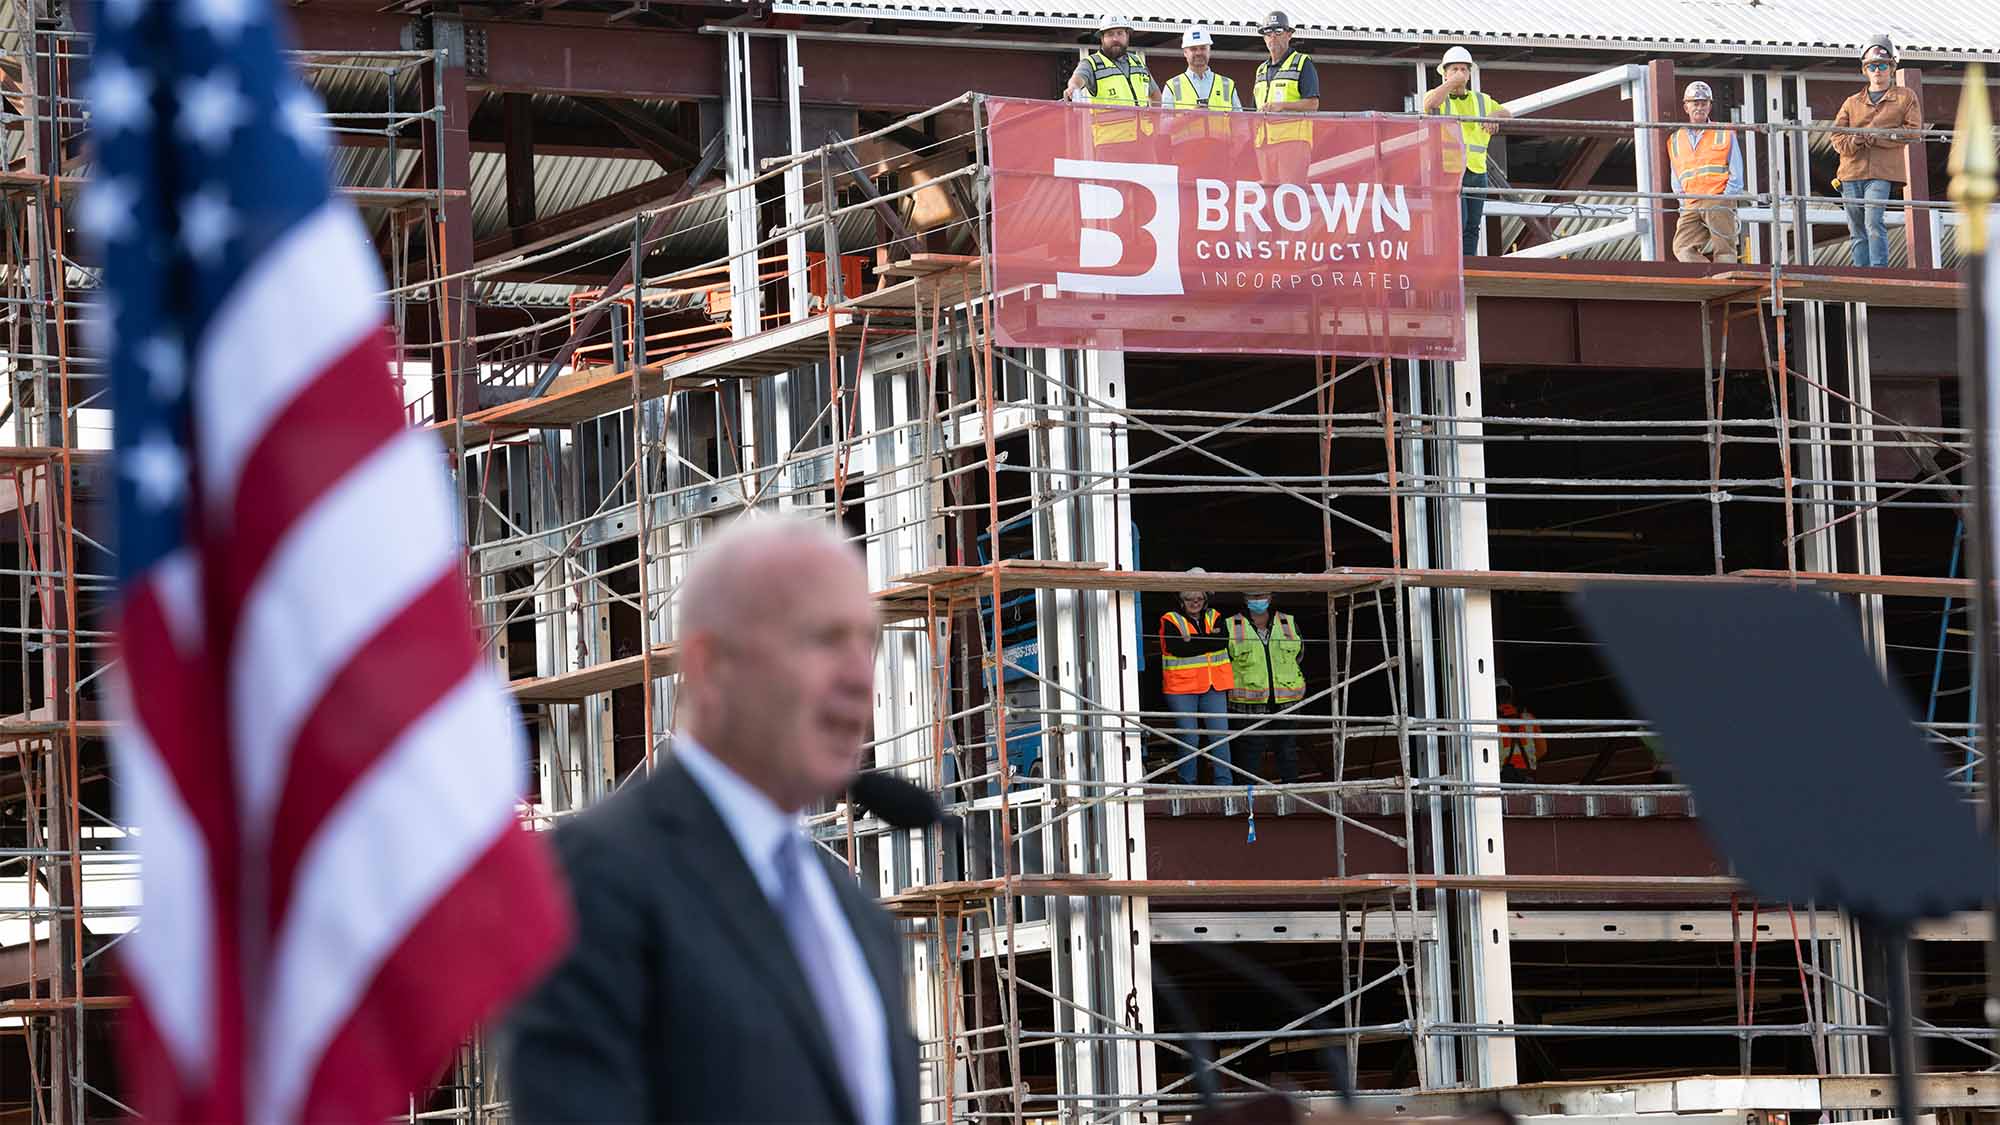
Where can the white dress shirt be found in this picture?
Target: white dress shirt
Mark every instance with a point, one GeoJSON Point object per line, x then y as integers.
{"type": "Point", "coordinates": [762, 832]}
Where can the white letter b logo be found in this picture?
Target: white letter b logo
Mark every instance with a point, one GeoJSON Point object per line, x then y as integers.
{"type": "Point", "coordinates": [1099, 249]}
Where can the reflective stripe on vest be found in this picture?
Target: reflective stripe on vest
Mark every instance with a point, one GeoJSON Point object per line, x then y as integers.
{"type": "Point", "coordinates": [1281, 85]}
{"type": "Point", "coordinates": [1474, 134]}
{"type": "Point", "coordinates": [1189, 675]}
{"type": "Point", "coordinates": [1520, 742]}
{"type": "Point", "coordinates": [1701, 165]}
{"type": "Point", "coordinates": [1266, 672]}
{"type": "Point", "coordinates": [1180, 93]}
{"type": "Point", "coordinates": [1111, 85]}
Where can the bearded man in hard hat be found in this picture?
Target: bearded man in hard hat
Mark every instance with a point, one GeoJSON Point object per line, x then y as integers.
{"type": "Point", "coordinates": [1872, 166]}
{"type": "Point", "coordinates": [1706, 162]}
{"type": "Point", "coordinates": [1115, 75]}
{"type": "Point", "coordinates": [1457, 98]}
{"type": "Point", "coordinates": [1199, 88]}
{"type": "Point", "coordinates": [1286, 83]}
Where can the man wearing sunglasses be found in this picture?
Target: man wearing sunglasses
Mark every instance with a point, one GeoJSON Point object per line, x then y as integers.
{"type": "Point", "coordinates": [1872, 165]}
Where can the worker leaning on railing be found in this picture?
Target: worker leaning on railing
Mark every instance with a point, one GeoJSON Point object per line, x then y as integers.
{"type": "Point", "coordinates": [1457, 98]}
{"type": "Point", "coordinates": [1286, 83]}
{"type": "Point", "coordinates": [1114, 75]}
{"type": "Point", "coordinates": [1199, 87]}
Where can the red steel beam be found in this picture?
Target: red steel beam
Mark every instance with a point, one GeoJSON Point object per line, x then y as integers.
{"type": "Point", "coordinates": [1665, 107]}
{"type": "Point", "coordinates": [1917, 185]}
{"type": "Point", "coordinates": [447, 163]}
{"type": "Point", "coordinates": [519, 133]}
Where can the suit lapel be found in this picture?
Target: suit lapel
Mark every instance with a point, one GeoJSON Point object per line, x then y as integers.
{"type": "Point", "coordinates": [713, 860]}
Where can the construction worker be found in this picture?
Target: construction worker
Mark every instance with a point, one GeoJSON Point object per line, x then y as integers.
{"type": "Point", "coordinates": [1199, 88]}
{"type": "Point", "coordinates": [1521, 743]}
{"type": "Point", "coordinates": [1457, 98]}
{"type": "Point", "coordinates": [1706, 162]}
{"type": "Point", "coordinates": [1286, 83]}
{"type": "Point", "coordinates": [1264, 651]}
{"type": "Point", "coordinates": [1872, 166]}
{"type": "Point", "coordinates": [1114, 75]}
{"type": "Point", "coordinates": [1195, 671]}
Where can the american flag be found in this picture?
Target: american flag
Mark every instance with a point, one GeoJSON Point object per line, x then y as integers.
{"type": "Point", "coordinates": [321, 764]}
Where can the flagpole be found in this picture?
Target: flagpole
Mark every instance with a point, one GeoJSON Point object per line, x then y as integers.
{"type": "Point", "coordinates": [1972, 168]}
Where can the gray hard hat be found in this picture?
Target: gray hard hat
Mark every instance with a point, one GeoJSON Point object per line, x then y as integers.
{"type": "Point", "coordinates": [1276, 21]}
{"type": "Point", "coordinates": [1195, 593]}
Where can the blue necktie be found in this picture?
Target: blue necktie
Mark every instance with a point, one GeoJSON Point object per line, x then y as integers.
{"type": "Point", "coordinates": [807, 931]}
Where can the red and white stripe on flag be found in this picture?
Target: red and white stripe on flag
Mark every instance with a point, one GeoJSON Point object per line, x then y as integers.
{"type": "Point", "coordinates": [323, 763]}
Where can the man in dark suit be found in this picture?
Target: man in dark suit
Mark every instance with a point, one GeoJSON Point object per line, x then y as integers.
{"type": "Point", "coordinates": [726, 968]}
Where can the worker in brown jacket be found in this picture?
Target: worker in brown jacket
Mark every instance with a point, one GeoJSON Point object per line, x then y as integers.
{"type": "Point", "coordinates": [1871, 165]}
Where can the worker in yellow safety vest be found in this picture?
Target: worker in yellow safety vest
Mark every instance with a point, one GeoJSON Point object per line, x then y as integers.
{"type": "Point", "coordinates": [1286, 83]}
{"type": "Point", "coordinates": [1264, 651]}
{"type": "Point", "coordinates": [1457, 98]}
{"type": "Point", "coordinates": [1199, 88]}
{"type": "Point", "coordinates": [1196, 675]}
{"type": "Point", "coordinates": [1521, 743]}
{"type": "Point", "coordinates": [1706, 162]}
{"type": "Point", "coordinates": [1114, 75]}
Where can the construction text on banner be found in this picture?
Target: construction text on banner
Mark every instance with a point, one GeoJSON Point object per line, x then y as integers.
{"type": "Point", "coordinates": [1206, 231]}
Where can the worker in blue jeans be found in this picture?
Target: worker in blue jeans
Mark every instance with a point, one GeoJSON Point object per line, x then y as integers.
{"type": "Point", "coordinates": [1455, 97]}
{"type": "Point", "coordinates": [1874, 165]}
{"type": "Point", "coordinates": [1195, 672]}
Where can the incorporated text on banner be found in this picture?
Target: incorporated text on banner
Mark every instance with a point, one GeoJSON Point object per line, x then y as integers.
{"type": "Point", "coordinates": [1200, 231]}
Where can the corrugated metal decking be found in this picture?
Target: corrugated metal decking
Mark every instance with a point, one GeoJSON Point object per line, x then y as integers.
{"type": "Point", "coordinates": [1936, 29]}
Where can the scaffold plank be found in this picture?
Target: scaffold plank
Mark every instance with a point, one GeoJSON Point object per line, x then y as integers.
{"type": "Point", "coordinates": [767, 353]}
{"type": "Point", "coordinates": [1629, 1097]}
{"type": "Point", "coordinates": [1938, 292]}
{"type": "Point", "coordinates": [385, 197]}
{"type": "Point", "coordinates": [931, 265]}
{"type": "Point", "coordinates": [21, 730]}
{"type": "Point", "coordinates": [898, 603]}
{"type": "Point", "coordinates": [1023, 574]}
{"type": "Point", "coordinates": [1656, 281]}
{"type": "Point", "coordinates": [922, 901]}
{"type": "Point", "coordinates": [934, 279]}
{"type": "Point", "coordinates": [1600, 283]}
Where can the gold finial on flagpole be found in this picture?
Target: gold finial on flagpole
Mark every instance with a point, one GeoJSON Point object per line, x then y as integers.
{"type": "Point", "coordinates": [1972, 165]}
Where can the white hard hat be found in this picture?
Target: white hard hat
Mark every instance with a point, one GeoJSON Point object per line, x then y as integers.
{"type": "Point", "coordinates": [1195, 593]}
{"type": "Point", "coordinates": [1111, 22]}
{"type": "Point", "coordinates": [1197, 37]}
{"type": "Point", "coordinates": [1455, 55]}
{"type": "Point", "coordinates": [1698, 91]}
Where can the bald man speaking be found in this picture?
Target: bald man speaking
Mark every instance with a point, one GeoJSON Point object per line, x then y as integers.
{"type": "Point", "coordinates": [725, 968]}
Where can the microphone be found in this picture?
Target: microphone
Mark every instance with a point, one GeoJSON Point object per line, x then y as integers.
{"type": "Point", "coordinates": [898, 803]}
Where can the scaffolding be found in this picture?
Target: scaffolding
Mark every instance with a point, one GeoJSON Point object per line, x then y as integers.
{"type": "Point", "coordinates": [68, 889]}
{"type": "Point", "coordinates": [997, 494]}
{"type": "Point", "coordinates": [1092, 938]}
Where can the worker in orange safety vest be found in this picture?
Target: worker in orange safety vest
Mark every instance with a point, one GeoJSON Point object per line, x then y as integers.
{"type": "Point", "coordinates": [1521, 743]}
{"type": "Point", "coordinates": [1196, 675]}
{"type": "Point", "coordinates": [1706, 162]}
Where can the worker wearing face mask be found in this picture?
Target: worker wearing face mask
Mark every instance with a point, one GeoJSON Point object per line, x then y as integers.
{"type": "Point", "coordinates": [1264, 652]}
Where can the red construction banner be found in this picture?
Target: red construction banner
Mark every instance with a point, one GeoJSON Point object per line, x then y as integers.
{"type": "Point", "coordinates": [1208, 231]}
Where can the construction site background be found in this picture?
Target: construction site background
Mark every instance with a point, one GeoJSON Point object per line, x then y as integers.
{"type": "Point", "coordinates": [615, 311]}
